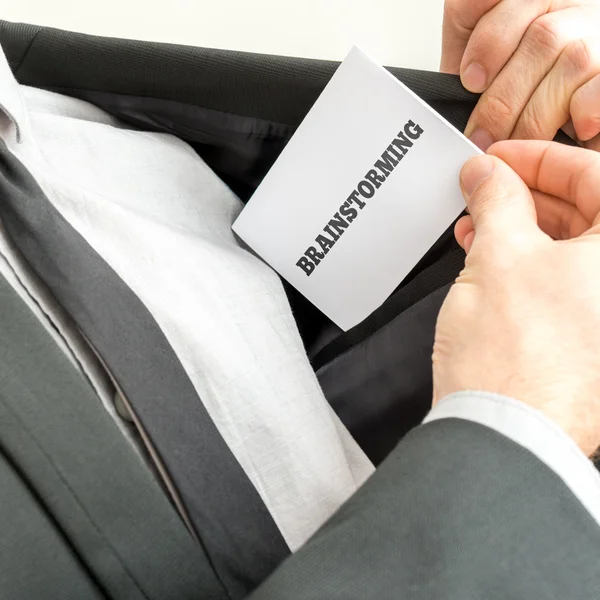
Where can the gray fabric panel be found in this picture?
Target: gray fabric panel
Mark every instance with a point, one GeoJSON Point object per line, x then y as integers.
{"type": "Point", "coordinates": [382, 388]}
{"type": "Point", "coordinates": [36, 562]}
{"type": "Point", "coordinates": [456, 512]}
{"type": "Point", "coordinates": [94, 486]}
{"type": "Point", "coordinates": [236, 530]}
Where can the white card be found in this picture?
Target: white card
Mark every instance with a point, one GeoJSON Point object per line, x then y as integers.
{"type": "Point", "coordinates": [364, 188]}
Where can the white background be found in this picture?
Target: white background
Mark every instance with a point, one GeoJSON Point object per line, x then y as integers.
{"type": "Point", "coordinates": [404, 33]}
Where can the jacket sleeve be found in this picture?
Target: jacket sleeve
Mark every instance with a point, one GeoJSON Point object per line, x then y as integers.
{"type": "Point", "coordinates": [458, 511]}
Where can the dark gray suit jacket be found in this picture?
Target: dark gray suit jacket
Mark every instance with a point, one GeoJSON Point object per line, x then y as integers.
{"type": "Point", "coordinates": [456, 511]}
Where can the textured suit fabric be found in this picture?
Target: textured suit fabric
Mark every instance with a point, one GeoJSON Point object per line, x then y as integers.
{"type": "Point", "coordinates": [64, 332]}
{"type": "Point", "coordinates": [81, 516]}
{"type": "Point", "coordinates": [456, 512]}
{"type": "Point", "coordinates": [35, 559]}
{"type": "Point", "coordinates": [532, 430]}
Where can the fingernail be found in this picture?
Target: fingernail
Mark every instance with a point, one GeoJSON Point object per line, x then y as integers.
{"type": "Point", "coordinates": [475, 172]}
{"type": "Point", "coordinates": [482, 139]}
{"type": "Point", "coordinates": [475, 78]}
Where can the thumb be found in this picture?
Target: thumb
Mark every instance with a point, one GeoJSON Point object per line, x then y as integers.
{"type": "Point", "coordinates": [497, 198]}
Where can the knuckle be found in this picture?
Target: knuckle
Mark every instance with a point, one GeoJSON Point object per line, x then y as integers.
{"type": "Point", "coordinates": [544, 35]}
{"type": "Point", "coordinates": [580, 106]}
{"type": "Point", "coordinates": [454, 17]}
{"type": "Point", "coordinates": [452, 10]}
{"type": "Point", "coordinates": [498, 104]}
{"type": "Point", "coordinates": [585, 106]}
{"type": "Point", "coordinates": [581, 56]}
{"type": "Point", "coordinates": [532, 124]}
{"type": "Point", "coordinates": [484, 203]}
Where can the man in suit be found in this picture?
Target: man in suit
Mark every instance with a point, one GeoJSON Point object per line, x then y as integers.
{"type": "Point", "coordinates": [494, 495]}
